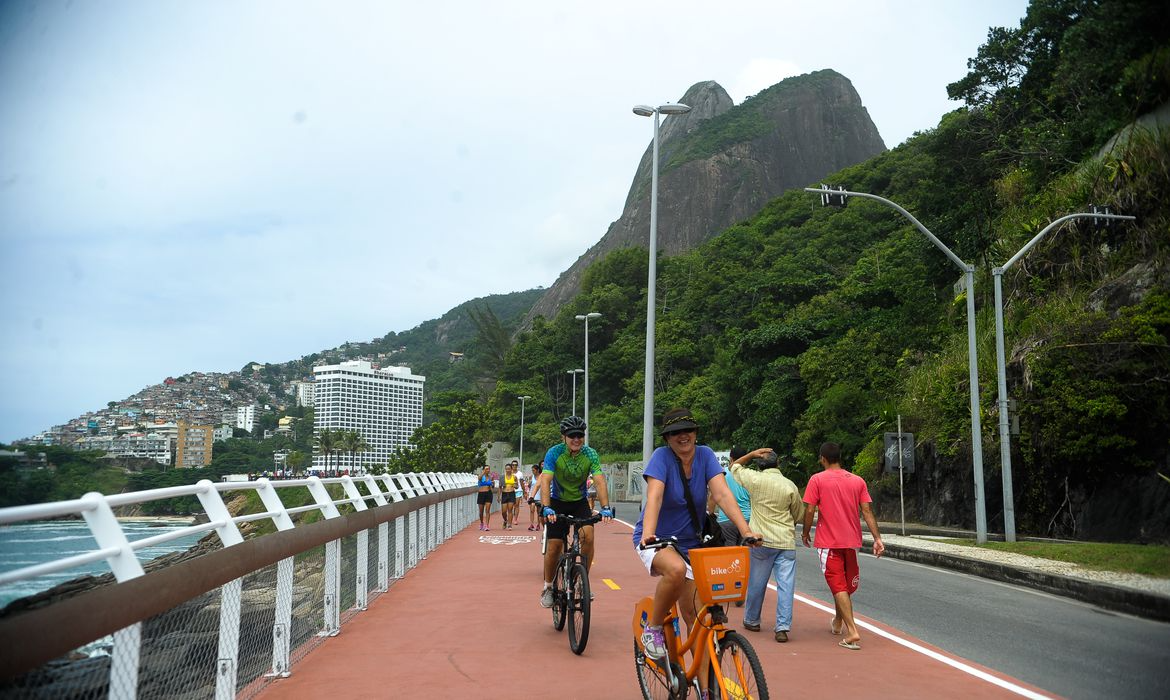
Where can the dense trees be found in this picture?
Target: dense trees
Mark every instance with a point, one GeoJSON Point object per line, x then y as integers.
{"type": "Point", "coordinates": [454, 443]}
{"type": "Point", "coordinates": [802, 324]}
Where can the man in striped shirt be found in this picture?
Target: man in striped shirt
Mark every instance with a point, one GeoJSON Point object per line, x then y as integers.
{"type": "Point", "coordinates": [776, 506]}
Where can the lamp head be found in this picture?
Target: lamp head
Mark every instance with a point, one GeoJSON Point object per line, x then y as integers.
{"type": "Point", "coordinates": [673, 109]}
{"type": "Point", "coordinates": [644, 110]}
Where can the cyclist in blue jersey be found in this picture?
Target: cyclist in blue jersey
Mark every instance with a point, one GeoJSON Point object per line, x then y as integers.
{"type": "Point", "coordinates": [567, 466]}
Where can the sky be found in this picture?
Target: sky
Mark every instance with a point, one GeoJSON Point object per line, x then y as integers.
{"type": "Point", "coordinates": [195, 185]}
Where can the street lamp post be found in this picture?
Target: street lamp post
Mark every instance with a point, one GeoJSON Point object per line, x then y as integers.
{"type": "Point", "coordinates": [972, 360]}
{"type": "Point", "coordinates": [651, 279]}
{"type": "Point", "coordinates": [1005, 449]}
{"type": "Point", "coordinates": [575, 372]}
{"type": "Point", "coordinates": [585, 318]}
{"type": "Point", "coordinates": [522, 400]}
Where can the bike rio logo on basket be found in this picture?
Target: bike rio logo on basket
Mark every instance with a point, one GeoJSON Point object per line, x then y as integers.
{"type": "Point", "coordinates": [721, 573]}
{"type": "Point", "coordinates": [732, 568]}
{"type": "Point", "coordinates": [718, 576]}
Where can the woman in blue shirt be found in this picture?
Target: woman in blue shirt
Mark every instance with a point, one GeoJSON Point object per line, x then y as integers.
{"type": "Point", "coordinates": [667, 515]}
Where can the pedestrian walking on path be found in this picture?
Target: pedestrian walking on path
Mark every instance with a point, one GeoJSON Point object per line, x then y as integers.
{"type": "Point", "coordinates": [776, 506]}
{"type": "Point", "coordinates": [534, 497]}
{"type": "Point", "coordinates": [731, 534]}
{"type": "Point", "coordinates": [483, 499]}
{"type": "Point", "coordinates": [508, 484]}
{"type": "Point", "coordinates": [837, 494]}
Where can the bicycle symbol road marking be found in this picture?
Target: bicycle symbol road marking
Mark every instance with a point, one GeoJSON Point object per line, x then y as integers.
{"type": "Point", "coordinates": [506, 539]}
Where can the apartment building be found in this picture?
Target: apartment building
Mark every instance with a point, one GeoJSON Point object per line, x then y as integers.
{"type": "Point", "coordinates": [246, 417]}
{"type": "Point", "coordinates": [193, 447]}
{"type": "Point", "coordinates": [304, 392]}
{"type": "Point", "coordinates": [153, 446]}
{"type": "Point", "coordinates": [384, 405]}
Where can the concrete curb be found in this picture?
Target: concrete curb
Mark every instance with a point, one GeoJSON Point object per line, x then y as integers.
{"type": "Point", "coordinates": [1104, 595]}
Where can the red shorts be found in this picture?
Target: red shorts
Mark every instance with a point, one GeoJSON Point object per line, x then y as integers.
{"type": "Point", "coordinates": [840, 569]}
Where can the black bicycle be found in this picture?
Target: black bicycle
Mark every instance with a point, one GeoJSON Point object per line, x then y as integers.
{"type": "Point", "coordinates": [570, 587]}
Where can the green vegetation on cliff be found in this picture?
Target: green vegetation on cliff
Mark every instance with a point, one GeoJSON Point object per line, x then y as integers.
{"type": "Point", "coordinates": [806, 324]}
{"type": "Point", "coordinates": [744, 122]}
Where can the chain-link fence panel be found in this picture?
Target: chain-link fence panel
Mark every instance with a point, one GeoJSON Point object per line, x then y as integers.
{"type": "Point", "coordinates": [259, 633]}
{"type": "Point", "coordinates": [245, 633]}
{"type": "Point", "coordinates": [307, 628]}
{"type": "Point", "coordinates": [84, 674]}
{"type": "Point", "coordinates": [180, 649]}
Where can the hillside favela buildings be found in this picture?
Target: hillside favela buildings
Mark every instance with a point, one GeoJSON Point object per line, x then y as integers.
{"type": "Point", "coordinates": [254, 403]}
{"type": "Point", "coordinates": [385, 405]}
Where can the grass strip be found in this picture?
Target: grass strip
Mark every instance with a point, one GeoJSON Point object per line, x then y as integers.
{"type": "Point", "coordinates": [1145, 559]}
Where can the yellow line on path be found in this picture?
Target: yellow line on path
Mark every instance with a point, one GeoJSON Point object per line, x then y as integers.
{"type": "Point", "coordinates": [609, 582]}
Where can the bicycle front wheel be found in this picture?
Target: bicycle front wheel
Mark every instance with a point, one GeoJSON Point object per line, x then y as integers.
{"type": "Point", "coordinates": [737, 662]}
{"type": "Point", "coordinates": [559, 591]}
{"type": "Point", "coordinates": [578, 605]}
{"type": "Point", "coordinates": [665, 682]}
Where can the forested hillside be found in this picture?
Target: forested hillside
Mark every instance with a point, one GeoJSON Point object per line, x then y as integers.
{"type": "Point", "coordinates": [806, 324]}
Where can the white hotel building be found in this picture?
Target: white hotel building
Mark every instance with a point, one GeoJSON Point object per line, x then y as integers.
{"type": "Point", "coordinates": [384, 405]}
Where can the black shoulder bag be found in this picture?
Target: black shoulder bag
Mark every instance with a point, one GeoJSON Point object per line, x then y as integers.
{"type": "Point", "coordinates": [710, 533]}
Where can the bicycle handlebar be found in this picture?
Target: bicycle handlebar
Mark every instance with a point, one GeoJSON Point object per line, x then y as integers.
{"type": "Point", "coordinates": [582, 522]}
{"type": "Point", "coordinates": [663, 542]}
{"type": "Point", "coordinates": [660, 543]}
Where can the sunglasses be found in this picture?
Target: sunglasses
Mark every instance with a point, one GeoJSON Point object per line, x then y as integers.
{"type": "Point", "coordinates": [681, 431]}
{"type": "Point", "coordinates": [575, 436]}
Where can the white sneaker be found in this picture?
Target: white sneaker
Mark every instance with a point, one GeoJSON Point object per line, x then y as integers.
{"type": "Point", "coordinates": [546, 598]}
{"type": "Point", "coordinates": [654, 643]}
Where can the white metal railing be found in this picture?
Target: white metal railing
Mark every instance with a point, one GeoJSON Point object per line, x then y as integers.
{"type": "Point", "coordinates": [438, 522]}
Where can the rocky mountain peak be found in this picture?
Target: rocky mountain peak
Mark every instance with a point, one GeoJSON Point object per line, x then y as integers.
{"type": "Point", "coordinates": [721, 163]}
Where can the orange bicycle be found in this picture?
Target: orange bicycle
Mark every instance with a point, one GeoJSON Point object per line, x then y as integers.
{"type": "Point", "coordinates": [721, 575]}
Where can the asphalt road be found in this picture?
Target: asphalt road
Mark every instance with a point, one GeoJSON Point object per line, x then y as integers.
{"type": "Point", "coordinates": [1066, 647]}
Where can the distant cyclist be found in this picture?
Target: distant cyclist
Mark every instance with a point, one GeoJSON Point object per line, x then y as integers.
{"type": "Point", "coordinates": [567, 466]}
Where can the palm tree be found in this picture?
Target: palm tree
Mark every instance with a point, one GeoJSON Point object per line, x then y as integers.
{"type": "Point", "coordinates": [353, 442]}
{"type": "Point", "coordinates": [327, 441]}
{"type": "Point", "coordinates": [294, 461]}
{"type": "Point", "coordinates": [360, 445]}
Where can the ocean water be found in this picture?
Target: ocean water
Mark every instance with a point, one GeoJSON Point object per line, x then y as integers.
{"type": "Point", "coordinates": [26, 544]}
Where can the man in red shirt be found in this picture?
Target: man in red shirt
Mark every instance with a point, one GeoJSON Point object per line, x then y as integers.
{"type": "Point", "coordinates": [837, 494]}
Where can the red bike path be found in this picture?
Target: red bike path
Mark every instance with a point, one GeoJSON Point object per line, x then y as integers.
{"type": "Point", "coordinates": [466, 622]}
